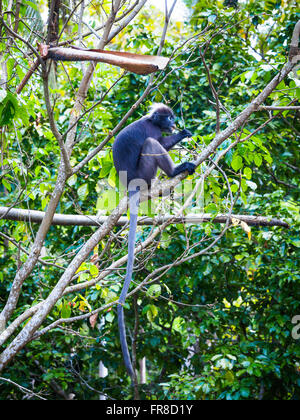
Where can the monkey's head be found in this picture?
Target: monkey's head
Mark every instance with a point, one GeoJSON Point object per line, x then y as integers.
{"type": "Point", "coordinates": [163, 117]}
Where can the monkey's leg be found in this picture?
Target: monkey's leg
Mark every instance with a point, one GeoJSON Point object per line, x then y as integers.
{"type": "Point", "coordinates": [154, 155]}
{"type": "Point", "coordinates": [147, 166]}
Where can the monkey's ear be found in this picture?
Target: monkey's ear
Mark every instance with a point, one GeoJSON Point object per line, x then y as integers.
{"type": "Point", "coordinates": [154, 116]}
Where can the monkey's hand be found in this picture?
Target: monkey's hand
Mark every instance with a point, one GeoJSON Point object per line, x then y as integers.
{"type": "Point", "coordinates": [190, 167]}
{"type": "Point", "coordinates": [186, 133]}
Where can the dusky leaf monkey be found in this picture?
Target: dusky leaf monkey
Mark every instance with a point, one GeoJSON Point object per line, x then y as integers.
{"type": "Point", "coordinates": [138, 151]}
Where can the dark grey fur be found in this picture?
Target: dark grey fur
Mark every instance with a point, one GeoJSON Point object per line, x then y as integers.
{"type": "Point", "coordinates": [139, 150]}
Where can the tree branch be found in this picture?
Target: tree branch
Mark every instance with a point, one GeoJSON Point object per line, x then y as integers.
{"type": "Point", "coordinates": [279, 108]}
{"type": "Point", "coordinates": [34, 216]}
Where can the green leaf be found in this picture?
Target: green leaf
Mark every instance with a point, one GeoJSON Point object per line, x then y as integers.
{"type": "Point", "coordinates": [212, 208]}
{"type": "Point", "coordinates": [248, 173]}
{"type": "Point", "coordinates": [94, 270]}
{"type": "Point", "coordinates": [112, 177]}
{"type": "Point", "coordinates": [237, 163]}
{"type": "Point", "coordinates": [66, 310]}
{"type": "Point", "coordinates": [234, 188]}
{"type": "Point", "coordinates": [8, 109]}
{"type": "Point", "coordinates": [110, 317]}
{"type": "Point", "coordinates": [32, 5]}
{"type": "Point", "coordinates": [258, 160]}
{"type": "Point", "coordinates": [6, 184]}
{"type": "Point", "coordinates": [72, 180]}
{"type": "Point", "coordinates": [151, 312]}
{"type": "Point", "coordinates": [83, 191]}
{"type": "Point", "coordinates": [154, 291]}
{"type": "Point", "coordinates": [205, 388]}
{"type": "Point", "coordinates": [229, 376]}
{"type": "Point", "coordinates": [245, 392]}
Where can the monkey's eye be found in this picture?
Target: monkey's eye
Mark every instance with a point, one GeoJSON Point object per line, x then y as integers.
{"type": "Point", "coordinates": [171, 118]}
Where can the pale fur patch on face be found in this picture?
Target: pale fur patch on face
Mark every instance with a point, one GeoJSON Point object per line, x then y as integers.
{"type": "Point", "coordinates": [161, 109]}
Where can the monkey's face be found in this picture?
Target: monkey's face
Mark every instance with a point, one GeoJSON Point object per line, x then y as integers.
{"type": "Point", "coordinates": [166, 122]}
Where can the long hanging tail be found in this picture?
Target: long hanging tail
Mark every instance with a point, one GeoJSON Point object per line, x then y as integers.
{"type": "Point", "coordinates": [134, 199]}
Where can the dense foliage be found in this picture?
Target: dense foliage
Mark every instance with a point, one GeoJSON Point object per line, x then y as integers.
{"type": "Point", "coordinates": [214, 327]}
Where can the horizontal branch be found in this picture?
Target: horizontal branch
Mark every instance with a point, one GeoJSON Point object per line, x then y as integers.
{"type": "Point", "coordinates": [35, 216]}
{"type": "Point", "coordinates": [279, 108]}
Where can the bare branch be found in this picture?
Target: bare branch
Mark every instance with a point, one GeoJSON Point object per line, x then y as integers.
{"type": "Point", "coordinates": [214, 92]}
{"type": "Point", "coordinates": [34, 216]}
{"type": "Point", "coordinates": [25, 391]}
{"type": "Point", "coordinates": [127, 20]}
{"type": "Point", "coordinates": [56, 133]}
{"type": "Point", "coordinates": [279, 108]}
{"type": "Point", "coordinates": [294, 48]}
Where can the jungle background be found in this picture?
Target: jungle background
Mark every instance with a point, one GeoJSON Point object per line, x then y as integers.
{"type": "Point", "coordinates": [220, 323]}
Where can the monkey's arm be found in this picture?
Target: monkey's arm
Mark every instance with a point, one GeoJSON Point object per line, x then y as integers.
{"type": "Point", "coordinates": [170, 141]}
{"type": "Point", "coordinates": [155, 155]}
